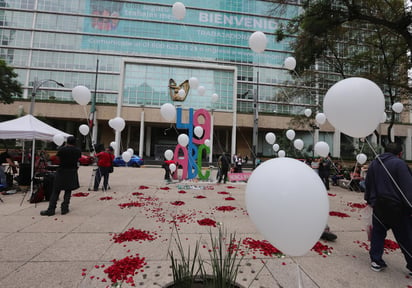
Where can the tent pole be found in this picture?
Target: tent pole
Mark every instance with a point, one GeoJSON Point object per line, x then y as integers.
{"type": "Point", "coordinates": [33, 159]}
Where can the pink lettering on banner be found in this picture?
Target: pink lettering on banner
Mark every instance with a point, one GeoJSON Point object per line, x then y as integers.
{"type": "Point", "coordinates": [180, 161]}
{"type": "Point", "coordinates": [238, 176]}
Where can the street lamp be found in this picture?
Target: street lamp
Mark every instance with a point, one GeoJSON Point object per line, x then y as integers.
{"type": "Point", "coordinates": [36, 86]}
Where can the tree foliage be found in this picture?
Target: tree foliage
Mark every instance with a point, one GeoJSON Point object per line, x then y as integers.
{"type": "Point", "coordinates": [9, 86]}
{"type": "Point", "coordinates": [368, 38]}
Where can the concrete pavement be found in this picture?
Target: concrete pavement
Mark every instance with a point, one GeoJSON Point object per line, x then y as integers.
{"type": "Point", "coordinates": [73, 250]}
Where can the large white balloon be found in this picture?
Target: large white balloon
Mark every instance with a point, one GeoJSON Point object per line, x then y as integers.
{"type": "Point", "coordinates": [168, 154]}
{"type": "Point", "coordinates": [183, 140]}
{"type": "Point", "coordinates": [290, 134]}
{"type": "Point", "coordinates": [298, 144]}
{"type": "Point", "coordinates": [168, 111]}
{"type": "Point", "coordinates": [258, 41]}
{"type": "Point", "coordinates": [322, 148]}
{"type": "Point", "coordinates": [58, 139]}
{"type": "Point", "coordinates": [275, 147]}
{"type": "Point", "coordinates": [320, 118]}
{"type": "Point", "coordinates": [308, 112]}
{"type": "Point", "coordinates": [361, 158]}
{"type": "Point", "coordinates": [281, 153]}
{"type": "Point", "coordinates": [198, 131]}
{"type": "Point", "coordinates": [290, 214]}
{"type": "Point", "coordinates": [179, 10]}
{"type": "Point", "coordinates": [354, 106]}
{"type": "Point", "coordinates": [397, 107]}
{"type": "Point", "coordinates": [126, 156]}
{"type": "Point", "coordinates": [113, 144]}
{"type": "Point", "coordinates": [270, 137]}
{"type": "Point", "coordinates": [84, 129]}
{"type": "Point", "coordinates": [81, 94]}
{"type": "Point", "coordinates": [182, 93]}
{"type": "Point", "coordinates": [118, 123]}
{"type": "Point", "coordinates": [290, 63]}
{"type": "Point", "coordinates": [111, 123]}
{"type": "Point", "coordinates": [193, 83]}
{"type": "Point", "coordinates": [201, 90]}
{"type": "Point", "coordinates": [215, 97]}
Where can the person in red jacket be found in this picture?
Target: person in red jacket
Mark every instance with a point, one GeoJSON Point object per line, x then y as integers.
{"type": "Point", "coordinates": [105, 166]}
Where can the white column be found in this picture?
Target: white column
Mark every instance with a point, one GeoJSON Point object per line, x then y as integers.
{"type": "Point", "coordinates": [212, 120]}
{"type": "Point", "coordinates": [141, 140]}
{"type": "Point", "coordinates": [336, 143]}
{"type": "Point", "coordinates": [148, 140]}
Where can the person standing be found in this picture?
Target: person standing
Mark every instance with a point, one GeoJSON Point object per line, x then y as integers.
{"type": "Point", "coordinates": [223, 163]}
{"type": "Point", "coordinates": [389, 192]}
{"type": "Point", "coordinates": [66, 177]}
{"type": "Point", "coordinates": [5, 158]}
{"type": "Point", "coordinates": [324, 171]}
{"type": "Point", "coordinates": [104, 167]}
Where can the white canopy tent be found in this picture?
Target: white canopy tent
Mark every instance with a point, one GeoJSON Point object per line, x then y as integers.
{"type": "Point", "coordinates": [29, 127]}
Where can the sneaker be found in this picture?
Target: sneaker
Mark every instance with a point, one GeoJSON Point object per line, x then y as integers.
{"type": "Point", "coordinates": [47, 213]}
{"type": "Point", "coordinates": [328, 236]}
{"type": "Point", "coordinates": [378, 267]}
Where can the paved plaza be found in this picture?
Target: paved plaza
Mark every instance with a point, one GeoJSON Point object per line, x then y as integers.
{"type": "Point", "coordinates": [74, 250]}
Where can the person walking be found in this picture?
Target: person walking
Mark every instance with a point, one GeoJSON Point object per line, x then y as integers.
{"type": "Point", "coordinates": [389, 192]}
{"type": "Point", "coordinates": [223, 163]}
{"type": "Point", "coordinates": [324, 170]}
{"type": "Point", "coordinates": [66, 177]}
{"type": "Point", "coordinates": [104, 167]}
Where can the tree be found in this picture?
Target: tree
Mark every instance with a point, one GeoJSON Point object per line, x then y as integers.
{"type": "Point", "coordinates": [354, 38]}
{"type": "Point", "coordinates": [9, 86]}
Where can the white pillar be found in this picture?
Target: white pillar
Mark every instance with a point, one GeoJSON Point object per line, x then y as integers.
{"type": "Point", "coordinates": [336, 144]}
{"type": "Point", "coordinates": [212, 120]}
{"type": "Point", "coordinates": [141, 140]}
{"type": "Point", "coordinates": [148, 140]}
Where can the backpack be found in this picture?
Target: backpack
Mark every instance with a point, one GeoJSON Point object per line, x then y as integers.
{"type": "Point", "coordinates": [37, 194]}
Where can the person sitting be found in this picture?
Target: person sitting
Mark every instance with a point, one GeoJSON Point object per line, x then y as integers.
{"type": "Point", "coordinates": [355, 178]}
{"type": "Point", "coordinates": [338, 174]}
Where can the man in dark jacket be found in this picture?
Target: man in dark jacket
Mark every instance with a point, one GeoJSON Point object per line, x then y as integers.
{"type": "Point", "coordinates": [223, 163]}
{"type": "Point", "coordinates": [66, 177]}
{"type": "Point", "coordinates": [389, 192]}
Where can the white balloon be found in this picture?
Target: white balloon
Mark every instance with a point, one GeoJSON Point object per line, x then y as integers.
{"type": "Point", "coordinates": [58, 139]}
{"type": "Point", "coordinates": [126, 156]}
{"type": "Point", "coordinates": [198, 131]}
{"type": "Point", "coordinates": [168, 111]}
{"type": "Point", "coordinates": [179, 10]}
{"type": "Point", "coordinates": [354, 106]}
{"type": "Point", "coordinates": [397, 107]}
{"type": "Point", "coordinates": [207, 142]}
{"type": "Point", "coordinates": [281, 153]}
{"type": "Point", "coordinates": [258, 41]}
{"type": "Point", "coordinates": [182, 93]}
{"type": "Point", "coordinates": [113, 144]}
{"type": "Point", "coordinates": [193, 82]}
{"type": "Point", "coordinates": [270, 137]}
{"type": "Point", "coordinates": [275, 147]}
{"type": "Point", "coordinates": [322, 148]}
{"type": "Point", "coordinates": [131, 151]}
{"type": "Point", "coordinates": [168, 154]}
{"type": "Point", "coordinates": [298, 144]}
{"type": "Point", "coordinates": [320, 118]}
{"type": "Point", "coordinates": [201, 90]}
{"type": "Point", "coordinates": [111, 123]}
{"type": "Point", "coordinates": [308, 112]}
{"type": "Point", "coordinates": [81, 94]}
{"type": "Point", "coordinates": [361, 158]}
{"type": "Point", "coordinates": [290, 214]}
{"type": "Point", "coordinates": [215, 97]}
{"type": "Point", "coordinates": [290, 63]}
{"type": "Point", "coordinates": [384, 117]}
{"type": "Point", "coordinates": [172, 167]}
{"type": "Point", "coordinates": [84, 129]}
{"type": "Point", "coordinates": [183, 140]}
{"type": "Point", "coordinates": [118, 123]}
{"type": "Point", "coordinates": [290, 134]}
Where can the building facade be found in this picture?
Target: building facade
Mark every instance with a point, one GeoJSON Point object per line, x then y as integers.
{"type": "Point", "coordinates": [131, 54]}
